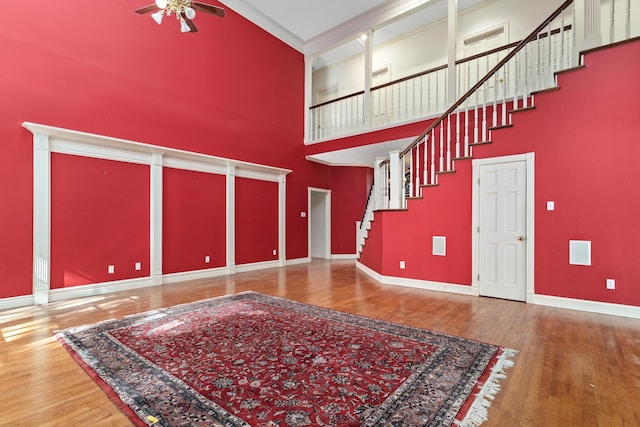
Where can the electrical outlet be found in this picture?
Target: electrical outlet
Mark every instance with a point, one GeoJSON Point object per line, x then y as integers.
{"type": "Point", "coordinates": [274, 252]}
{"type": "Point", "coordinates": [611, 283]}
{"type": "Point", "coordinates": [138, 266]}
{"type": "Point", "coordinates": [303, 214]}
{"type": "Point", "coordinates": [402, 265]}
{"type": "Point", "coordinates": [111, 269]}
{"type": "Point", "coordinates": [207, 259]}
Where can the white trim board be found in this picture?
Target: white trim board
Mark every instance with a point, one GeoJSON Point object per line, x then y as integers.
{"type": "Point", "coordinates": [49, 139]}
{"type": "Point", "coordinates": [595, 307]}
{"type": "Point", "coordinates": [98, 289]}
{"type": "Point", "coordinates": [588, 306]}
{"type": "Point", "coordinates": [15, 302]}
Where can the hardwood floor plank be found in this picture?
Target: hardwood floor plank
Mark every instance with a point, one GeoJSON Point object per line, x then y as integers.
{"type": "Point", "coordinates": [573, 368]}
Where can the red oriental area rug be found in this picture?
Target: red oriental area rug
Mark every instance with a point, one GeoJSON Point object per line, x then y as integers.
{"type": "Point", "coordinates": [257, 360]}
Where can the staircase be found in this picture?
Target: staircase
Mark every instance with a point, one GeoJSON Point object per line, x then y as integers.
{"type": "Point", "coordinates": [487, 107]}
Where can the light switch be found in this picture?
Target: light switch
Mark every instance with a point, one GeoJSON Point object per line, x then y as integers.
{"type": "Point", "coordinates": [303, 214]}
{"type": "Point", "coordinates": [551, 205]}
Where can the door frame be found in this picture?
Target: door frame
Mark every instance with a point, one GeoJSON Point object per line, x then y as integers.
{"type": "Point", "coordinates": [529, 159]}
{"type": "Point", "coordinates": [327, 220]}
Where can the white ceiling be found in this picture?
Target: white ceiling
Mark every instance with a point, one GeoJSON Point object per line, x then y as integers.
{"type": "Point", "coordinates": [309, 18]}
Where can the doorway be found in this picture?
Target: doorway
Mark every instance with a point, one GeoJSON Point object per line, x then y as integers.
{"type": "Point", "coordinates": [319, 223]}
{"type": "Point", "coordinates": [503, 227]}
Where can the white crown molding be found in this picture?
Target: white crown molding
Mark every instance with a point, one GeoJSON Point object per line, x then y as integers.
{"type": "Point", "coordinates": [249, 12]}
{"type": "Point", "coordinates": [351, 29]}
{"type": "Point", "coordinates": [333, 37]}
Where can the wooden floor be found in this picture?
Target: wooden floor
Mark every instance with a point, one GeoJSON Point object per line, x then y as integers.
{"type": "Point", "coordinates": [573, 368]}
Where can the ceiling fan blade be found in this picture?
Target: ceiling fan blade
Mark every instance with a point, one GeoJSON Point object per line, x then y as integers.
{"type": "Point", "coordinates": [207, 8]}
{"type": "Point", "coordinates": [190, 23]}
{"type": "Point", "coordinates": [147, 9]}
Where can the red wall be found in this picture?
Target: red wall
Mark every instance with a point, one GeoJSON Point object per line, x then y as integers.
{"type": "Point", "coordinates": [349, 191]}
{"type": "Point", "coordinates": [193, 220]}
{"type": "Point", "coordinates": [585, 138]}
{"type": "Point", "coordinates": [256, 221]}
{"type": "Point", "coordinates": [99, 217]}
{"type": "Point", "coordinates": [230, 90]}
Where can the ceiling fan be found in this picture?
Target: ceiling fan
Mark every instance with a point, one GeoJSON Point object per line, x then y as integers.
{"type": "Point", "coordinates": [185, 11]}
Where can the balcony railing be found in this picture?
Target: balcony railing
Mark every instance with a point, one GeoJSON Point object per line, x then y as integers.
{"type": "Point", "coordinates": [425, 94]}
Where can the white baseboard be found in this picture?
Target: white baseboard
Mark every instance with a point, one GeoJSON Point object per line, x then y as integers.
{"type": "Point", "coordinates": [98, 289]}
{"type": "Point", "coordinates": [194, 275]}
{"type": "Point", "coordinates": [243, 268]}
{"type": "Point", "coordinates": [297, 261]}
{"type": "Point", "coordinates": [344, 256]}
{"type": "Point", "coordinates": [590, 306]}
{"type": "Point", "coordinates": [417, 283]}
{"type": "Point", "coordinates": [16, 302]}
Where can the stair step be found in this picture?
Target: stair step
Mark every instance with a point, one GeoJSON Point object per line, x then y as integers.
{"type": "Point", "coordinates": [463, 158]}
{"type": "Point", "coordinates": [519, 110]}
{"type": "Point", "coordinates": [474, 144]}
{"type": "Point", "coordinates": [500, 127]}
{"type": "Point", "coordinates": [445, 172]}
{"type": "Point", "coordinates": [551, 89]}
{"type": "Point", "coordinates": [568, 70]}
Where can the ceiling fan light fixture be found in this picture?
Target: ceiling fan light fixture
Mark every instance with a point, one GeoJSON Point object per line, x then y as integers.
{"type": "Point", "coordinates": [161, 3]}
{"type": "Point", "coordinates": [184, 28]}
{"type": "Point", "coordinates": [189, 12]}
{"type": "Point", "coordinates": [158, 16]}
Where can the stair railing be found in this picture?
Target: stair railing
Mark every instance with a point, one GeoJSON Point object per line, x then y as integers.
{"type": "Point", "coordinates": [507, 86]}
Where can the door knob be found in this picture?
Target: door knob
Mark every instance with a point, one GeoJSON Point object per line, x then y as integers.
{"type": "Point", "coordinates": [521, 238]}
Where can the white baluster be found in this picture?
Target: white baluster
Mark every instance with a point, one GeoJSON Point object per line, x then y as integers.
{"type": "Point", "coordinates": [458, 133]}
{"type": "Point", "coordinates": [525, 90]}
{"type": "Point", "coordinates": [549, 55]}
{"type": "Point", "coordinates": [417, 171]}
{"type": "Point", "coordinates": [627, 25]}
{"type": "Point", "coordinates": [437, 90]}
{"type": "Point", "coordinates": [433, 156]}
{"type": "Point", "coordinates": [424, 159]}
{"type": "Point", "coordinates": [441, 165]}
{"type": "Point", "coordinates": [475, 115]}
{"type": "Point", "coordinates": [484, 114]}
{"type": "Point", "coordinates": [466, 129]}
{"type": "Point", "coordinates": [612, 21]}
{"type": "Point", "coordinates": [448, 142]}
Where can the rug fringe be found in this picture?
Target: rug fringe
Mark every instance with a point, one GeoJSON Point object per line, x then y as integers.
{"type": "Point", "coordinates": [478, 412]}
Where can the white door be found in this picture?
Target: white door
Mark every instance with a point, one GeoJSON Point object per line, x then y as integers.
{"type": "Point", "coordinates": [502, 225]}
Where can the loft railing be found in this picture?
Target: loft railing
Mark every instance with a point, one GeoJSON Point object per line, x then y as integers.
{"type": "Point", "coordinates": [419, 95]}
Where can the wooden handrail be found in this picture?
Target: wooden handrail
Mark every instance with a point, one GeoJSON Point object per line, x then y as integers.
{"type": "Point", "coordinates": [499, 65]}
{"type": "Point", "coordinates": [438, 68]}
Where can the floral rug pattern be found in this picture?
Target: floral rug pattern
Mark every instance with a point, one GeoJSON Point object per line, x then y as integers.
{"type": "Point", "coordinates": [257, 360]}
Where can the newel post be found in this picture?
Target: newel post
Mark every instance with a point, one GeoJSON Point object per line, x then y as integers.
{"type": "Point", "coordinates": [396, 180]}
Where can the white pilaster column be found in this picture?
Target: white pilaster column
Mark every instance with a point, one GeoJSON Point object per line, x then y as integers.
{"type": "Point", "coordinates": [231, 219]}
{"type": "Point", "coordinates": [155, 216]}
{"type": "Point", "coordinates": [368, 69]}
{"type": "Point", "coordinates": [452, 78]}
{"type": "Point", "coordinates": [397, 180]}
{"type": "Point", "coordinates": [588, 31]}
{"type": "Point", "coordinates": [41, 218]}
{"type": "Point", "coordinates": [308, 95]}
{"type": "Point", "coordinates": [282, 220]}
